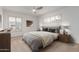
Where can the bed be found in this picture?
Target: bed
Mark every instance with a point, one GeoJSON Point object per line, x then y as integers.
{"type": "Point", "coordinates": [42, 39]}
{"type": "Point", "coordinates": [39, 39]}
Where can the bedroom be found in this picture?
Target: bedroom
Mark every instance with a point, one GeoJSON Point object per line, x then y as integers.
{"type": "Point", "coordinates": [16, 19]}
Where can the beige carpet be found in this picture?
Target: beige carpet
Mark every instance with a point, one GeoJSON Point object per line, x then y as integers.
{"type": "Point", "coordinates": [17, 45]}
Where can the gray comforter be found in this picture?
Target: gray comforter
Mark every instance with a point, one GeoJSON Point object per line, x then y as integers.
{"type": "Point", "coordinates": [39, 39]}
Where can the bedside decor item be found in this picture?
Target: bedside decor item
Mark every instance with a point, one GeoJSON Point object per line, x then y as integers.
{"type": "Point", "coordinates": [29, 23]}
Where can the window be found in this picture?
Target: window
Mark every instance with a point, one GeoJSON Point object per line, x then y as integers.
{"type": "Point", "coordinates": [18, 23]}
{"type": "Point", "coordinates": [15, 23]}
{"type": "Point", "coordinates": [52, 19]}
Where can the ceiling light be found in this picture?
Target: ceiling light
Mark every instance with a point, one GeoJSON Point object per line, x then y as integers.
{"type": "Point", "coordinates": [34, 10]}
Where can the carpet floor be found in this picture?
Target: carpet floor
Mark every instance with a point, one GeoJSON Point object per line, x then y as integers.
{"type": "Point", "coordinates": [18, 45]}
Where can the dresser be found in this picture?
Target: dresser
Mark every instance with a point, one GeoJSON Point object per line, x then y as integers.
{"type": "Point", "coordinates": [5, 42]}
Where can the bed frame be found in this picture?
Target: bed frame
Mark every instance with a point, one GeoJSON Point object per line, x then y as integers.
{"type": "Point", "coordinates": [51, 29]}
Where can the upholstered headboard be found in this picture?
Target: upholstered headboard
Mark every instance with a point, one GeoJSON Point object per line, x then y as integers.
{"type": "Point", "coordinates": [51, 29]}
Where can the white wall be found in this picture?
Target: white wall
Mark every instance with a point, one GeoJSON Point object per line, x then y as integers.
{"type": "Point", "coordinates": [24, 17]}
{"type": "Point", "coordinates": [1, 18]}
{"type": "Point", "coordinates": [70, 15]}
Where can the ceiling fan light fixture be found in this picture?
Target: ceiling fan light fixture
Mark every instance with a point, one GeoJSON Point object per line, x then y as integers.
{"type": "Point", "coordinates": [34, 10]}
{"type": "Point", "coordinates": [39, 8]}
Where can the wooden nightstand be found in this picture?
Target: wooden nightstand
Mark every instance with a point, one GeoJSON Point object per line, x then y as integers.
{"type": "Point", "coordinates": [65, 38]}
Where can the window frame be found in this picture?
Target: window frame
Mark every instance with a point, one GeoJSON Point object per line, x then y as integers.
{"type": "Point", "coordinates": [16, 30]}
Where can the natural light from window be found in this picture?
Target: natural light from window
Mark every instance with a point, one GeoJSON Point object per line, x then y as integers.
{"type": "Point", "coordinates": [15, 23]}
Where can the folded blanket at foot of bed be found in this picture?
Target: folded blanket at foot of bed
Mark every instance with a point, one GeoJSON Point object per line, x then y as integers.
{"type": "Point", "coordinates": [39, 39]}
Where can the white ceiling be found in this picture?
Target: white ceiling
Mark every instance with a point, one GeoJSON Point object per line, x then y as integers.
{"type": "Point", "coordinates": [28, 9]}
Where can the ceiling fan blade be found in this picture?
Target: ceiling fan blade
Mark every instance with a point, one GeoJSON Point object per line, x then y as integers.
{"type": "Point", "coordinates": [39, 8]}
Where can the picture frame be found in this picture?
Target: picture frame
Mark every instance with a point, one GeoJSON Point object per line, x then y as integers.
{"type": "Point", "coordinates": [29, 23]}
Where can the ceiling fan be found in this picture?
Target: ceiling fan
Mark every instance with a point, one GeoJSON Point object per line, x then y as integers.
{"type": "Point", "coordinates": [35, 9]}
